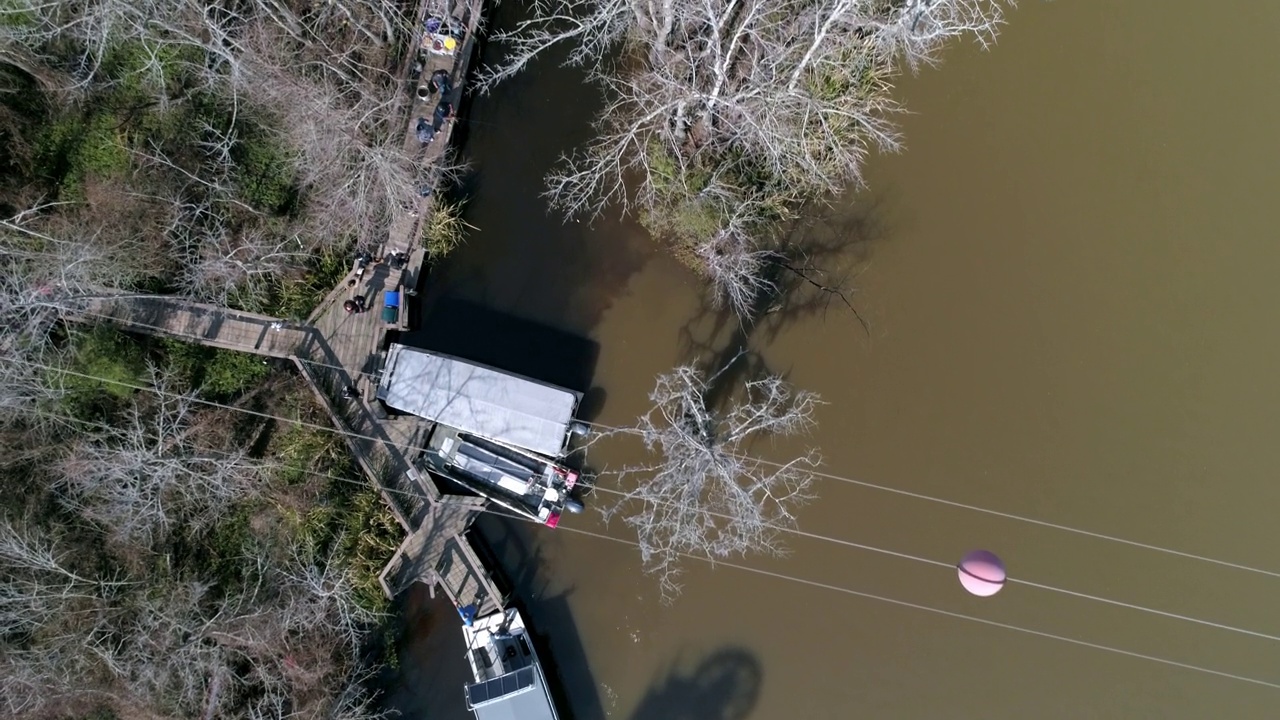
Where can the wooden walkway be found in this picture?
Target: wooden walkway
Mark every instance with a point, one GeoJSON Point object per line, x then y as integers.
{"type": "Point", "coordinates": [436, 550]}
{"type": "Point", "coordinates": [444, 559]}
{"type": "Point", "coordinates": [204, 324]}
{"type": "Point", "coordinates": [334, 350]}
{"type": "Point", "coordinates": [406, 225]}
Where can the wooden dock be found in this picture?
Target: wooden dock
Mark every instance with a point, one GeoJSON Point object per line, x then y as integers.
{"type": "Point", "coordinates": [200, 323]}
{"type": "Point", "coordinates": [334, 350]}
{"type": "Point", "coordinates": [436, 550]}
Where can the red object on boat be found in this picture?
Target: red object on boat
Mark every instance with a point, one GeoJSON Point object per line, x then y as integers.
{"type": "Point", "coordinates": [553, 520]}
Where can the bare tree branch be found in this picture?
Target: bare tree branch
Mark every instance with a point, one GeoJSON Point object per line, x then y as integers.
{"type": "Point", "coordinates": [705, 495]}
{"type": "Point", "coordinates": [141, 477]}
{"type": "Point", "coordinates": [781, 99]}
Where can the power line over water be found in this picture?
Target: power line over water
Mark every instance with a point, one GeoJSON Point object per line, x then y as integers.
{"type": "Point", "coordinates": [823, 585]}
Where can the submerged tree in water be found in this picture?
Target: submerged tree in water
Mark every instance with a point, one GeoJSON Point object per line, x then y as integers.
{"type": "Point", "coordinates": [725, 114]}
{"type": "Point", "coordinates": [705, 496]}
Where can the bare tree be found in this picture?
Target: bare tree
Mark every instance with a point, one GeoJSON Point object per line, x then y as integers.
{"type": "Point", "coordinates": [319, 74]}
{"type": "Point", "coordinates": [54, 261]}
{"type": "Point", "coordinates": [354, 169]}
{"type": "Point", "coordinates": [354, 702]}
{"type": "Point", "coordinates": [733, 257]}
{"type": "Point", "coordinates": [704, 495]}
{"type": "Point", "coordinates": [36, 583]}
{"type": "Point", "coordinates": [779, 98]}
{"type": "Point", "coordinates": [219, 264]}
{"type": "Point", "coordinates": [41, 596]}
{"type": "Point", "coordinates": [323, 597]}
{"type": "Point", "coordinates": [285, 646]}
{"type": "Point", "coordinates": [141, 477]}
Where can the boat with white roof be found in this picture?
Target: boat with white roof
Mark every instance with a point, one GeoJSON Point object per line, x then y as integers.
{"type": "Point", "coordinates": [509, 681]}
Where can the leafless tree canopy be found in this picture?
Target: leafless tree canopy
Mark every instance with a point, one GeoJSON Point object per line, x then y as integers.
{"type": "Point", "coordinates": [50, 264]}
{"type": "Point", "coordinates": [180, 648]}
{"type": "Point", "coordinates": [211, 148]}
{"type": "Point", "coordinates": [154, 468]}
{"type": "Point", "coordinates": [315, 82]}
{"type": "Point", "coordinates": [109, 596]}
{"type": "Point", "coordinates": [717, 104]}
{"type": "Point", "coordinates": [704, 495]}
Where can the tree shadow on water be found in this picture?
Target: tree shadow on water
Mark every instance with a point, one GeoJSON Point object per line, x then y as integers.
{"type": "Point", "coordinates": [822, 255]}
{"type": "Point", "coordinates": [811, 274]}
{"type": "Point", "coordinates": [724, 686]}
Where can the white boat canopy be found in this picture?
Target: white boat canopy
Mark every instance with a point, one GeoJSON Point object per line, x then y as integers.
{"type": "Point", "coordinates": [519, 695]}
{"type": "Point", "coordinates": [478, 399]}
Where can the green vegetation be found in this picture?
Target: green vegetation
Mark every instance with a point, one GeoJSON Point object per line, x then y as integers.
{"type": "Point", "coordinates": [692, 205]}
{"type": "Point", "coordinates": [118, 363]}
{"type": "Point", "coordinates": [154, 502]}
{"type": "Point", "coordinates": [295, 297]}
{"type": "Point", "coordinates": [139, 68]}
{"type": "Point", "coordinates": [444, 230]}
{"type": "Point", "coordinates": [350, 523]}
{"type": "Point", "coordinates": [114, 360]}
{"type": "Point", "coordinates": [265, 173]}
{"type": "Point", "coordinates": [222, 551]}
{"type": "Point", "coordinates": [302, 451]}
{"type": "Point", "coordinates": [354, 528]}
{"type": "Point", "coordinates": [95, 140]}
{"type": "Point", "coordinates": [102, 152]}
{"type": "Point", "coordinates": [72, 150]}
{"type": "Point", "coordinates": [680, 214]}
{"type": "Point", "coordinates": [220, 374]}
{"type": "Point", "coordinates": [105, 368]}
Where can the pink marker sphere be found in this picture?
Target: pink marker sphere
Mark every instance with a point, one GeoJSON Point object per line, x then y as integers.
{"type": "Point", "coordinates": [981, 573]}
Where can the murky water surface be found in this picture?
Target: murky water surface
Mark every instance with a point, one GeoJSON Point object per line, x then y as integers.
{"type": "Point", "coordinates": [1071, 280]}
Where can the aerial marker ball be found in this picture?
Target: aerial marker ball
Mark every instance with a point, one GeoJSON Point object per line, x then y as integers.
{"type": "Point", "coordinates": [981, 573]}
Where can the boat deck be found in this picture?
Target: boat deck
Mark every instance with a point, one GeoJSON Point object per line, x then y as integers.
{"type": "Point", "coordinates": [498, 647]}
{"type": "Point", "coordinates": [509, 682]}
{"type": "Point", "coordinates": [526, 487]}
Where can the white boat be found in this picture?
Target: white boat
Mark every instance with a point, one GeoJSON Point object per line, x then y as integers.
{"type": "Point", "coordinates": [519, 481]}
{"type": "Point", "coordinates": [510, 684]}
{"type": "Point", "coordinates": [479, 400]}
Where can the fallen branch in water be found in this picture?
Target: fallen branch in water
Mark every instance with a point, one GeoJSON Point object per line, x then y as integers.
{"type": "Point", "coordinates": [832, 290]}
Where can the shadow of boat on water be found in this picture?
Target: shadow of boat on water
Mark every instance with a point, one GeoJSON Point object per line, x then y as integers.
{"type": "Point", "coordinates": [473, 332]}
{"type": "Point", "coordinates": [547, 613]}
{"type": "Point", "coordinates": [723, 686]}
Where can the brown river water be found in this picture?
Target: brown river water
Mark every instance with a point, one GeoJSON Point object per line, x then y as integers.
{"type": "Point", "coordinates": [1071, 278]}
